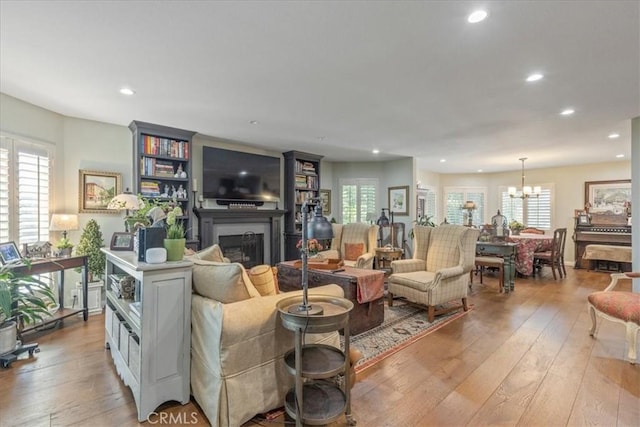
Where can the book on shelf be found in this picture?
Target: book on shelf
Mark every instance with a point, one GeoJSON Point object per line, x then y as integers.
{"type": "Point", "coordinates": [156, 146]}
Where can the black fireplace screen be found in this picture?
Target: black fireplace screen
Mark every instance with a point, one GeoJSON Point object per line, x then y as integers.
{"type": "Point", "coordinates": [246, 248]}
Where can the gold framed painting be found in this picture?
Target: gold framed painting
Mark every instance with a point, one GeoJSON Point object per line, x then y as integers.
{"type": "Point", "coordinates": [96, 189]}
{"type": "Point", "coordinates": [607, 197]}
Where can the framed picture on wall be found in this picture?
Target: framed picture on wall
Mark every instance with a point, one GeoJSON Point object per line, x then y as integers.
{"type": "Point", "coordinates": [96, 189]}
{"type": "Point", "coordinates": [583, 219]}
{"type": "Point", "coordinates": [607, 197]}
{"type": "Point", "coordinates": [399, 200]}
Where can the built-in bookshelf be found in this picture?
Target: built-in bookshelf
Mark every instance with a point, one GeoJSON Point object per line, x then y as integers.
{"type": "Point", "coordinates": [162, 166]}
{"type": "Point", "coordinates": [302, 181]}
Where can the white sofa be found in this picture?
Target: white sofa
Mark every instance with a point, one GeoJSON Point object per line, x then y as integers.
{"type": "Point", "coordinates": [237, 348]}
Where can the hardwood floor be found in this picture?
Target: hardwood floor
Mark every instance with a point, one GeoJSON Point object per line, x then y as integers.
{"type": "Point", "coordinates": [522, 359]}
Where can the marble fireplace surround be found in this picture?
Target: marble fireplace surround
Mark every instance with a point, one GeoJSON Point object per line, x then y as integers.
{"type": "Point", "coordinates": [216, 222]}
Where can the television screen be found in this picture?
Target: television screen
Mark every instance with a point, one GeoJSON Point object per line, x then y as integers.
{"type": "Point", "coordinates": [234, 175]}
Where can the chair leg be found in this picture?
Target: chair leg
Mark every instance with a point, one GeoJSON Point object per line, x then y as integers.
{"type": "Point", "coordinates": [390, 299]}
{"type": "Point", "coordinates": [594, 322]}
{"type": "Point", "coordinates": [465, 307]}
{"type": "Point", "coordinates": [431, 313]}
{"type": "Point", "coordinates": [632, 332]}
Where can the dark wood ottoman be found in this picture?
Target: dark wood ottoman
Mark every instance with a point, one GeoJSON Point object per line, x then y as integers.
{"type": "Point", "coordinates": [363, 316]}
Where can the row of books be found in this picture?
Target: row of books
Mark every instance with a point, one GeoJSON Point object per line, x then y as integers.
{"type": "Point", "coordinates": [153, 167]}
{"type": "Point", "coordinates": [165, 147]}
{"type": "Point", "coordinates": [306, 181]}
{"type": "Point", "coordinates": [305, 167]}
{"type": "Point", "coordinates": [301, 196]}
{"type": "Point", "coordinates": [149, 188]}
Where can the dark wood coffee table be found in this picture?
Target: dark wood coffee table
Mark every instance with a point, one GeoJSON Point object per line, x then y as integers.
{"type": "Point", "coordinates": [363, 316]}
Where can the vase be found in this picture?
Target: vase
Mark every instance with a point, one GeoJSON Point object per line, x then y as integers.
{"type": "Point", "coordinates": [8, 337]}
{"type": "Point", "coordinates": [175, 249]}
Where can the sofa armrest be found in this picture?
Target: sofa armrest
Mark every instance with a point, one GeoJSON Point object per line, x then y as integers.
{"type": "Point", "coordinates": [365, 261]}
{"type": "Point", "coordinates": [330, 254]}
{"type": "Point", "coordinates": [447, 273]}
{"type": "Point", "coordinates": [407, 265]}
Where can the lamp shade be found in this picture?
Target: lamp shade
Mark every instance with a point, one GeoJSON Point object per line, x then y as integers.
{"type": "Point", "coordinates": [469, 205]}
{"type": "Point", "coordinates": [319, 227]}
{"type": "Point", "coordinates": [63, 222]}
{"type": "Point", "coordinates": [125, 201]}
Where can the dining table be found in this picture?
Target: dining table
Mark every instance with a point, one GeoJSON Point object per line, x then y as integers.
{"type": "Point", "coordinates": [527, 246]}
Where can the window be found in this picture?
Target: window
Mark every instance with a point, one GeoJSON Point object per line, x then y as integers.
{"type": "Point", "coordinates": [24, 191]}
{"type": "Point", "coordinates": [358, 200]}
{"type": "Point", "coordinates": [426, 202]}
{"type": "Point", "coordinates": [533, 212]}
{"type": "Point", "coordinates": [455, 197]}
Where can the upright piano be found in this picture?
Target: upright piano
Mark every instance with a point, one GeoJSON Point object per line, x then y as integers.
{"type": "Point", "coordinates": [603, 230]}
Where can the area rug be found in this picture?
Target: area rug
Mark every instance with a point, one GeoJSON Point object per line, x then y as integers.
{"type": "Point", "coordinates": [403, 325]}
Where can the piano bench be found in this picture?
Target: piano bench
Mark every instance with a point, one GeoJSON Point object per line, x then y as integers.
{"type": "Point", "coordinates": [607, 256]}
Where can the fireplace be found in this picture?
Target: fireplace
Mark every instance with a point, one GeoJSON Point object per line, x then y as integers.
{"type": "Point", "coordinates": [227, 227]}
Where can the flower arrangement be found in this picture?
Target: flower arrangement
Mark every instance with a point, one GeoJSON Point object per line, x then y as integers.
{"type": "Point", "coordinates": [313, 246]}
{"type": "Point", "coordinates": [516, 226]}
{"type": "Point", "coordinates": [175, 228]}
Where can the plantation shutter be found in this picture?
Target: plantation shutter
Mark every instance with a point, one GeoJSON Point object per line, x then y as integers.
{"type": "Point", "coordinates": [455, 198]}
{"type": "Point", "coordinates": [533, 212]}
{"type": "Point", "coordinates": [24, 196]}
{"type": "Point", "coordinates": [358, 200]}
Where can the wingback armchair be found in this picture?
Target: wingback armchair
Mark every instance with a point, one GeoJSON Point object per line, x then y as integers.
{"type": "Point", "coordinates": [439, 270]}
{"type": "Point", "coordinates": [354, 243]}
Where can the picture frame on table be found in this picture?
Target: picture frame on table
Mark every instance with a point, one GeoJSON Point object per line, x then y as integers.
{"type": "Point", "coordinates": [583, 219]}
{"type": "Point", "coordinates": [9, 253]}
{"type": "Point", "coordinates": [121, 241]}
{"type": "Point", "coordinates": [607, 197]}
{"type": "Point", "coordinates": [399, 200]}
{"type": "Point", "coordinates": [96, 189]}
{"type": "Point", "coordinates": [325, 198]}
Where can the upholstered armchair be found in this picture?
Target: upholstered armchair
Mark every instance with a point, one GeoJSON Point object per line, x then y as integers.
{"type": "Point", "coordinates": [354, 243]}
{"type": "Point", "coordinates": [439, 270]}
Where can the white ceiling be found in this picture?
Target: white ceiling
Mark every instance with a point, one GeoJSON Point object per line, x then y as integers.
{"type": "Point", "coordinates": [342, 78]}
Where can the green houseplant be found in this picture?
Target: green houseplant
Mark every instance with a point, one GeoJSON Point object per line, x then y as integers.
{"type": "Point", "coordinates": [22, 299]}
{"type": "Point", "coordinates": [90, 243]}
{"type": "Point", "coordinates": [424, 220]}
{"type": "Point", "coordinates": [175, 241]}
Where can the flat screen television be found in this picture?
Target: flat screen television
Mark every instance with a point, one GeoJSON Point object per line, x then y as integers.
{"type": "Point", "coordinates": [236, 176]}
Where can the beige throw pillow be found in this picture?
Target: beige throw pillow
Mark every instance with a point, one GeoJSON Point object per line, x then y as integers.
{"type": "Point", "coordinates": [262, 278]}
{"type": "Point", "coordinates": [221, 281]}
{"type": "Point", "coordinates": [212, 253]}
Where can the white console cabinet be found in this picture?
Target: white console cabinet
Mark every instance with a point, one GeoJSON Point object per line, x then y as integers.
{"type": "Point", "coordinates": [151, 351]}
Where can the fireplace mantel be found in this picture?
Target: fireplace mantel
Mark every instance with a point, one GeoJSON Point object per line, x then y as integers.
{"type": "Point", "coordinates": [209, 218]}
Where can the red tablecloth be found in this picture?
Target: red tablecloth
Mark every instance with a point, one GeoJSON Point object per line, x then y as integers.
{"type": "Point", "coordinates": [527, 246]}
{"type": "Point", "coordinates": [370, 283]}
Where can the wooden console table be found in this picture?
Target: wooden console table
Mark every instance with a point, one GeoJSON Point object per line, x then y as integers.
{"type": "Point", "coordinates": [51, 265]}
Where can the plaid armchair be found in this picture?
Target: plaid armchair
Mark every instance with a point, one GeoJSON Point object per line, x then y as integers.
{"type": "Point", "coordinates": [353, 243]}
{"type": "Point", "coordinates": [439, 271]}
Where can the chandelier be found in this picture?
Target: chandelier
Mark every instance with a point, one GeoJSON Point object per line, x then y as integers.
{"type": "Point", "coordinates": [526, 190]}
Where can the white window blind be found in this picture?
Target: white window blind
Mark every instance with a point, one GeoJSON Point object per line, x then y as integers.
{"type": "Point", "coordinates": [358, 200]}
{"type": "Point", "coordinates": [426, 202]}
{"type": "Point", "coordinates": [533, 212]}
{"type": "Point", "coordinates": [24, 197]}
{"type": "Point", "coordinates": [456, 197]}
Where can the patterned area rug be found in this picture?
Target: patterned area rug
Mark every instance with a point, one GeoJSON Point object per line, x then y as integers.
{"type": "Point", "coordinates": [403, 325]}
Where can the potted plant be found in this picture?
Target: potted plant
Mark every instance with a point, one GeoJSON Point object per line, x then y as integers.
{"type": "Point", "coordinates": [175, 241]}
{"type": "Point", "coordinates": [64, 247]}
{"type": "Point", "coordinates": [424, 220]}
{"type": "Point", "coordinates": [90, 243]}
{"type": "Point", "coordinates": [22, 299]}
{"type": "Point", "coordinates": [516, 227]}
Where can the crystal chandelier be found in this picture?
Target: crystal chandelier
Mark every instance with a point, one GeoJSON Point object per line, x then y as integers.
{"type": "Point", "coordinates": [526, 190]}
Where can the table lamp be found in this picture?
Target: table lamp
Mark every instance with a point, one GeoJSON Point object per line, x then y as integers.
{"type": "Point", "coordinates": [317, 228]}
{"type": "Point", "coordinates": [125, 201]}
{"type": "Point", "coordinates": [64, 223]}
{"type": "Point", "coordinates": [469, 206]}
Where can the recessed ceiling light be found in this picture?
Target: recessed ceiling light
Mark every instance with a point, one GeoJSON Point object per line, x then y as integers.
{"type": "Point", "coordinates": [320, 138]}
{"type": "Point", "coordinates": [375, 151]}
{"type": "Point", "coordinates": [443, 160]}
{"type": "Point", "coordinates": [568, 112]}
{"type": "Point", "coordinates": [619, 156]}
{"type": "Point", "coordinates": [127, 91]}
{"type": "Point", "coordinates": [477, 16]}
{"type": "Point", "coordinates": [479, 170]}
{"type": "Point", "coordinates": [614, 135]}
{"type": "Point", "coordinates": [534, 77]}
{"type": "Point", "coordinates": [253, 122]}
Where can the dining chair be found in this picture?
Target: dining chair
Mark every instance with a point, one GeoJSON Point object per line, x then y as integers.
{"type": "Point", "coordinates": [483, 262]}
{"type": "Point", "coordinates": [554, 258]}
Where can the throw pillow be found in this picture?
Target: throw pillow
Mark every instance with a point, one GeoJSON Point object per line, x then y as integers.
{"type": "Point", "coordinates": [212, 253]}
{"type": "Point", "coordinates": [221, 281]}
{"type": "Point", "coordinates": [262, 278]}
{"type": "Point", "coordinates": [353, 250]}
